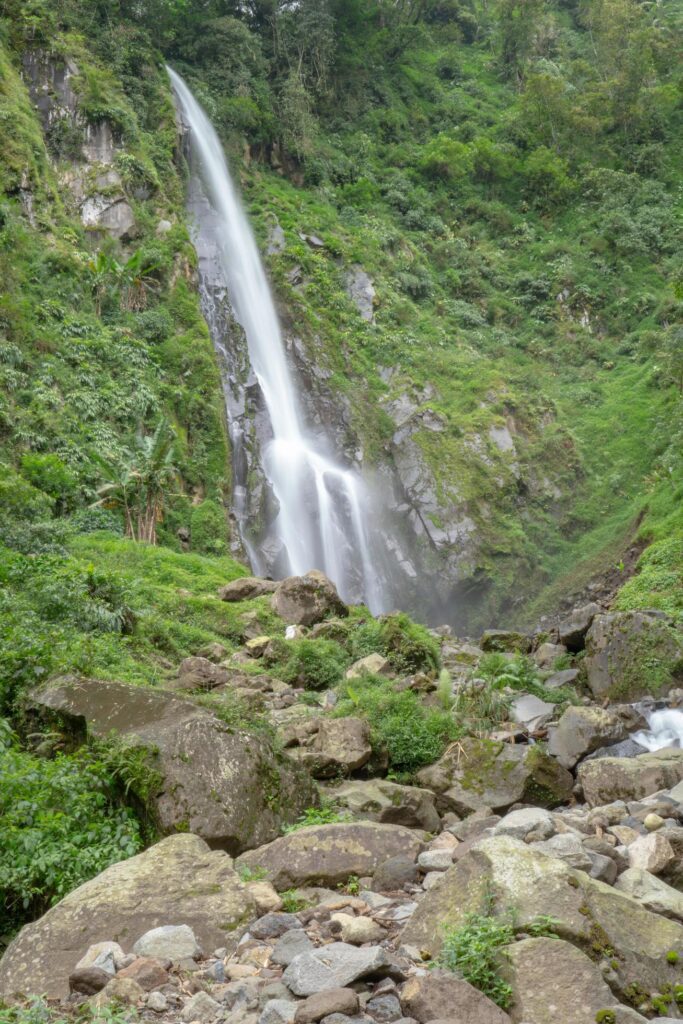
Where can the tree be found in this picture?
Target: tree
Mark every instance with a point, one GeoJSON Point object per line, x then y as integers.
{"type": "Point", "coordinates": [137, 481]}
{"type": "Point", "coordinates": [518, 22]}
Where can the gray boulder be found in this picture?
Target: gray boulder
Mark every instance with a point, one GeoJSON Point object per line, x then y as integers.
{"type": "Point", "coordinates": [169, 942]}
{"type": "Point", "coordinates": [573, 629]}
{"type": "Point", "coordinates": [305, 600]}
{"type": "Point", "coordinates": [179, 879]}
{"type": "Point", "coordinates": [388, 803]}
{"type": "Point", "coordinates": [588, 913]}
{"type": "Point", "coordinates": [651, 892]}
{"type": "Point", "coordinates": [246, 588]}
{"type": "Point", "coordinates": [633, 654]}
{"type": "Point", "coordinates": [228, 786]}
{"type": "Point", "coordinates": [483, 773]}
{"type": "Point", "coordinates": [630, 778]}
{"type": "Point", "coordinates": [337, 966]}
{"type": "Point", "coordinates": [329, 854]}
{"type": "Point", "coordinates": [582, 730]}
{"type": "Point", "coordinates": [554, 981]}
{"type": "Point", "coordinates": [440, 995]}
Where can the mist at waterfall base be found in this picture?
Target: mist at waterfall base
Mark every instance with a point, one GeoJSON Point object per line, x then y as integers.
{"type": "Point", "coordinates": [324, 514]}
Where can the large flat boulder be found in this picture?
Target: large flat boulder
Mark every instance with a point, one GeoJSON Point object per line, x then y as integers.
{"type": "Point", "coordinates": [485, 773]}
{"type": "Point", "coordinates": [226, 785]}
{"type": "Point", "coordinates": [632, 654]}
{"type": "Point", "coordinates": [606, 779]}
{"type": "Point", "coordinates": [178, 881]}
{"type": "Point", "coordinates": [246, 588]}
{"type": "Point", "coordinates": [651, 892]}
{"type": "Point", "coordinates": [305, 600]}
{"type": "Point", "coordinates": [330, 854]}
{"type": "Point", "coordinates": [589, 914]}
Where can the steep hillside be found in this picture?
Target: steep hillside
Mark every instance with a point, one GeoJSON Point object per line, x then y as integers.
{"type": "Point", "coordinates": [470, 218]}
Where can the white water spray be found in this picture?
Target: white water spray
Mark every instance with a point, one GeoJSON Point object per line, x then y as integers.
{"type": "Point", "coordinates": [323, 506]}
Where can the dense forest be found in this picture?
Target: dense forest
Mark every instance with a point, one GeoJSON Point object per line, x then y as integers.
{"type": "Point", "coordinates": [507, 176]}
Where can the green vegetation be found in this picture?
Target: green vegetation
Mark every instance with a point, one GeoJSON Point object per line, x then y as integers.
{"type": "Point", "coordinates": [409, 733]}
{"type": "Point", "coordinates": [408, 646]}
{"type": "Point", "coordinates": [61, 824]}
{"type": "Point", "coordinates": [326, 814]}
{"type": "Point", "coordinates": [473, 950]}
{"type": "Point", "coordinates": [39, 1012]}
{"type": "Point", "coordinates": [313, 664]}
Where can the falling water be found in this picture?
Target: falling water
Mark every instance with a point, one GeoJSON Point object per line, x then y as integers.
{"type": "Point", "coordinates": [666, 730]}
{"type": "Point", "coordinates": [323, 507]}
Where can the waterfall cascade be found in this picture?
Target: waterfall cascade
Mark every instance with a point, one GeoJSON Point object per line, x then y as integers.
{"type": "Point", "coordinates": [322, 509]}
{"type": "Point", "coordinates": [666, 729]}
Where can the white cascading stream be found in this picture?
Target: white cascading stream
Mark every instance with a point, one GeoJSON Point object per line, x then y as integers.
{"type": "Point", "coordinates": [323, 506]}
{"type": "Point", "coordinates": [666, 730]}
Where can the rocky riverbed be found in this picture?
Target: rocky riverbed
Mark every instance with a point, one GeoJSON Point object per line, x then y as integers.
{"type": "Point", "coordinates": [561, 826]}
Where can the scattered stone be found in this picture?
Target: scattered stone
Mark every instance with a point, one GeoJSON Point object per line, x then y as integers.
{"type": "Point", "coordinates": [149, 972]}
{"type": "Point", "coordinates": [337, 966]}
{"type": "Point", "coordinates": [373, 664]}
{"type": "Point", "coordinates": [272, 926]}
{"type": "Point", "coordinates": [547, 654]}
{"type": "Point", "coordinates": [567, 848]}
{"type": "Point", "coordinates": [435, 860]}
{"type": "Point", "coordinates": [393, 874]}
{"type": "Point", "coordinates": [157, 1002]}
{"type": "Point", "coordinates": [107, 955]}
{"type": "Point", "coordinates": [289, 945]}
{"type": "Point", "coordinates": [171, 942]}
{"type": "Point", "coordinates": [201, 674]}
{"type": "Point", "coordinates": [322, 1004]}
{"type": "Point", "coordinates": [179, 878]}
{"type": "Point", "coordinates": [118, 990]}
{"type": "Point", "coordinates": [88, 980]}
{"type": "Point", "coordinates": [305, 600]}
{"type": "Point", "coordinates": [519, 824]}
{"type": "Point", "coordinates": [531, 712]}
{"type": "Point", "coordinates": [200, 1007]}
{"type": "Point", "coordinates": [651, 853]}
{"type": "Point", "coordinates": [330, 854]}
{"type": "Point", "coordinates": [384, 1008]}
{"type": "Point", "coordinates": [265, 896]}
{"type": "Point", "coordinates": [440, 995]}
{"type": "Point", "coordinates": [278, 1011]}
{"type": "Point", "coordinates": [652, 822]}
{"type": "Point", "coordinates": [567, 677]}
{"type": "Point", "coordinates": [357, 930]}
{"type": "Point", "coordinates": [247, 588]}
{"type": "Point", "coordinates": [257, 646]}
{"type": "Point", "coordinates": [503, 640]}
{"type": "Point", "coordinates": [530, 883]}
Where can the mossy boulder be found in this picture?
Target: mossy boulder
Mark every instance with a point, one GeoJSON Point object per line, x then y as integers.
{"type": "Point", "coordinates": [179, 880]}
{"type": "Point", "coordinates": [505, 640]}
{"type": "Point", "coordinates": [305, 600]}
{"type": "Point", "coordinates": [630, 655]}
{"type": "Point", "coordinates": [480, 773]}
{"type": "Point", "coordinates": [603, 923]}
{"type": "Point", "coordinates": [388, 802]}
{"type": "Point", "coordinates": [630, 778]}
{"type": "Point", "coordinates": [330, 854]}
{"type": "Point", "coordinates": [196, 774]}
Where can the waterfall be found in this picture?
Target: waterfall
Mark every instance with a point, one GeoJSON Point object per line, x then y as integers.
{"type": "Point", "coordinates": [666, 730]}
{"type": "Point", "coordinates": [322, 508]}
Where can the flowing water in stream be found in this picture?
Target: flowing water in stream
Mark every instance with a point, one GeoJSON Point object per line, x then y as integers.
{"type": "Point", "coordinates": [323, 508]}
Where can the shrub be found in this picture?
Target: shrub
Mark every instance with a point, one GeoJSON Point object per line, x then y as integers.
{"type": "Point", "coordinates": [208, 528]}
{"type": "Point", "coordinates": [49, 474]}
{"type": "Point", "coordinates": [19, 499]}
{"type": "Point", "coordinates": [411, 734]}
{"type": "Point", "coordinates": [314, 664]}
{"type": "Point", "coordinates": [61, 825]}
{"type": "Point", "coordinates": [408, 646]}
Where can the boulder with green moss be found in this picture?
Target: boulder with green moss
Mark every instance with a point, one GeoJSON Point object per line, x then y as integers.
{"type": "Point", "coordinates": [630, 778]}
{"type": "Point", "coordinates": [179, 881]}
{"type": "Point", "coordinates": [633, 654]}
{"type": "Point", "coordinates": [388, 802]}
{"type": "Point", "coordinates": [478, 773]}
{"type": "Point", "coordinates": [330, 854]}
{"type": "Point", "coordinates": [193, 772]}
{"type": "Point", "coordinates": [609, 926]}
